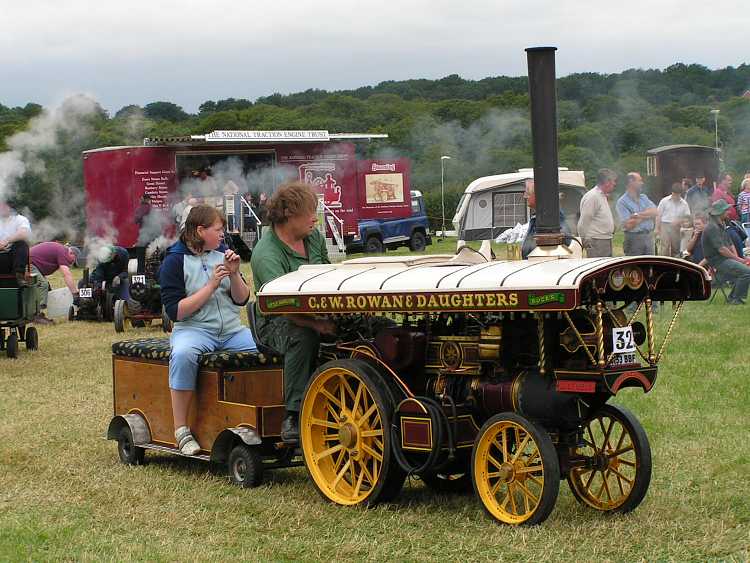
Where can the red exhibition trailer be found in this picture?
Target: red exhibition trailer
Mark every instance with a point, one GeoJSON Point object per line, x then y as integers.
{"type": "Point", "coordinates": [255, 162]}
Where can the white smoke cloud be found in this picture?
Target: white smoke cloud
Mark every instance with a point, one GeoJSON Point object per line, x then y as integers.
{"type": "Point", "coordinates": [154, 224]}
{"type": "Point", "coordinates": [228, 176]}
{"type": "Point", "coordinates": [98, 250]}
{"type": "Point", "coordinates": [475, 149]}
{"type": "Point", "coordinates": [67, 124]}
{"type": "Point", "coordinates": [160, 243]}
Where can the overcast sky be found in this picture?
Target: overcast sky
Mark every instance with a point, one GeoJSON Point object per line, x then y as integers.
{"type": "Point", "coordinates": [135, 51]}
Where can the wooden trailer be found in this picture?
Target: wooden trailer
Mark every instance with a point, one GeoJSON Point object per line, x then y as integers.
{"type": "Point", "coordinates": [236, 416]}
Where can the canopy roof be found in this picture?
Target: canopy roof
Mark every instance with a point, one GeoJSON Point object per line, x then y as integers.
{"type": "Point", "coordinates": [406, 284]}
{"type": "Point", "coordinates": [566, 177]}
{"type": "Point", "coordinates": [667, 148]}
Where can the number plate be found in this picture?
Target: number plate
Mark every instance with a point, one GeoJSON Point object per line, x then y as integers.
{"type": "Point", "coordinates": [622, 340]}
{"type": "Point", "coordinates": [623, 359]}
{"type": "Point", "coordinates": [139, 279]}
{"type": "Point", "coordinates": [84, 292]}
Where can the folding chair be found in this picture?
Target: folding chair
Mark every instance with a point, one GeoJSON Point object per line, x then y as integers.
{"type": "Point", "coordinates": [719, 285]}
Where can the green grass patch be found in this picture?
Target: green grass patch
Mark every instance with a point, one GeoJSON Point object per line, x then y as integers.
{"type": "Point", "coordinates": [64, 495]}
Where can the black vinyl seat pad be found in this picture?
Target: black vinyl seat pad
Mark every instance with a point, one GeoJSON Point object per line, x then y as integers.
{"type": "Point", "coordinates": [158, 349]}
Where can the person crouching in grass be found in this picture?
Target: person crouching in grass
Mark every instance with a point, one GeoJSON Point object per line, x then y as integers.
{"type": "Point", "coordinates": [203, 292]}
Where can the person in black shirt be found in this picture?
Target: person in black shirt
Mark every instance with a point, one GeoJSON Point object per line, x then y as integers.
{"type": "Point", "coordinates": [694, 250]}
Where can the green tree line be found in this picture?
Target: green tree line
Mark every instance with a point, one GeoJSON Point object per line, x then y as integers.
{"type": "Point", "coordinates": [603, 120]}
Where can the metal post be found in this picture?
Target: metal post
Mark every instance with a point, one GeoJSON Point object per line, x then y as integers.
{"type": "Point", "coordinates": [716, 112]}
{"type": "Point", "coordinates": [442, 189]}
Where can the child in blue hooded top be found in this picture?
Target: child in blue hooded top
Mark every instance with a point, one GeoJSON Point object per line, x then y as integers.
{"type": "Point", "coordinates": [203, 292]}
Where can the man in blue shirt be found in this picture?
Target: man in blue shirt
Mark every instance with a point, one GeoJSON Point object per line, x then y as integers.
{"type": "Point", "coordinates": [636, 213]}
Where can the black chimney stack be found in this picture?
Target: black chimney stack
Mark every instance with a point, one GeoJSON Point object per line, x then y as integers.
{"type": "Point", "coordinates": [543, 98]}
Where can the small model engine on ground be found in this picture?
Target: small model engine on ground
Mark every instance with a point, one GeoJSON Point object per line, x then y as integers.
{"type": "Point", "coordinates": [96, 300]}
{"type": "Point", "coordinates": [144, 302]}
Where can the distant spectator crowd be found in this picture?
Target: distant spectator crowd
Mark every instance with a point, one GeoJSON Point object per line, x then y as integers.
{"type": "Point", "coordinates": [699, 221]}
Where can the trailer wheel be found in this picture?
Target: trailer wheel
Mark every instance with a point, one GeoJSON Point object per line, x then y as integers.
{"type": "Point", "coordinates": [130, 454]}
{"type": "Point", "coordinates": [344, 430]}
{"type": "Point", "coordinates": [374, 245]}
{"type": "Point", "coordinates": [245, 466]}
{"type": "Point", "coordinates": [619, 470]}
{"type": "Point", "coordinates": [71, 313]}
{"type": "Point", "coordinates": [32, 338]}
{"type": "Point", "coordinates": [166, 322]}
{"type": "Point", "coordinates": [515, 470]}
{"type": "Point", "coordinates": [418, 241]}
{"type": "Point", "coordinates": [119, 315]}
{"type": "Point", "coordinates": [11, 345]}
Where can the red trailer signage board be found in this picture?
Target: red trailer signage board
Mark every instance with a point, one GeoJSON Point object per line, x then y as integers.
{"type": "Point", "coordinates": [116, 179]}
{"type": "Point", "coordinates": [383, 189]}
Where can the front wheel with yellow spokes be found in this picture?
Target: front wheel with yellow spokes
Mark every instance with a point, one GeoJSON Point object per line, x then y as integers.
{"type": "Point", "coordinates": [344, 430]}
{"type": "Point", "coordinates": [618, 470]}
{"type": "Point", "coordinates": [515, 470]}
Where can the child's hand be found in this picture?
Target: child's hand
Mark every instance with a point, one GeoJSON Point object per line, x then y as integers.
{"type": "Point", "coordinates": [232, 261]}
{"type": "Point", "coordinates": [220, 272]}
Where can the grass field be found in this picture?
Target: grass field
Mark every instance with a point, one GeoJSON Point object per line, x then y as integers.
{"type": "Point", "coordinates": [64, 495]}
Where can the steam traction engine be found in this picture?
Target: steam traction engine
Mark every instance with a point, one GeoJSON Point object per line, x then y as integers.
{"type": "Point", "coordinates": [144, 302]}
{"type": "Point", "coordinates": [499, 373]}
{"type": "Point", "coordinates": [95, 300]}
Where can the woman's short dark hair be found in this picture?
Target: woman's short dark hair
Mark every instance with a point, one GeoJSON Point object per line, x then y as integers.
{"type": "Point", "coordinates": [200, 216]}
{"type": "Point", "coordinates": [293, 198]}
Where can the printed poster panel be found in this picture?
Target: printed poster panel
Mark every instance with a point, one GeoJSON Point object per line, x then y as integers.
{"type": "Point", "coordinates": [384, 188]}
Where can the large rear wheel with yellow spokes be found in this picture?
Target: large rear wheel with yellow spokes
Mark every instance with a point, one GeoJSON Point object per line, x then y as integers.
{"type": "Point", "coordinates": [515, 470]}
{"type": "Point", "coordinates": [618, 471]}
{"type": "Point", "coordinates": [345, 434]}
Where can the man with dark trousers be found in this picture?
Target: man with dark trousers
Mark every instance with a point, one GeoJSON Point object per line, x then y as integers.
{"type": "Point", "coordinates": [291, 241]}
{"type": "Point", "coordinates": [722, 256]}
{"type": "Point", "coordinates": [14, 246]}
{"type": "Point", "coordinates": [637, 214]}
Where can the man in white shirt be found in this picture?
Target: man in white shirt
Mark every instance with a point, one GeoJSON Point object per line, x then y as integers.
{"type": "Point", "coordinates": [596, 224]}
{"type": "Point", "coordinates": [14, 247]}
{"type": "Point", "coordinates": [671, 213]}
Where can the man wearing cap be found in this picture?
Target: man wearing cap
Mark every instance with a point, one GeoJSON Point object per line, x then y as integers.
{"type": "Point", "coordinates": [14, 247]}
{"type": "Point", "coordinates": [46, 259]}
{"type": "Point", "coordinates": [672, 211]}
{"type": "Point", "coordinates": [637, 214]}
{"type": "Point", "coordinates": [722, 256]}
{"type": "Point", "coordinates": [112, 269]}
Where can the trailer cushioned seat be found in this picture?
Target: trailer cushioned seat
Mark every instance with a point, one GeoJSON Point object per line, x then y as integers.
{"type": "Point", "coordinates": [158, 349]}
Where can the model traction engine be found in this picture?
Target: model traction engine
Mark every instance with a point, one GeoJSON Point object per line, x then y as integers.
{"type": "Point", "coordinates": [96, 300]}
{"type": "Point", "coordinates": [144, 303]}
{"type": "Point", "coordinates": [491, 374]}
